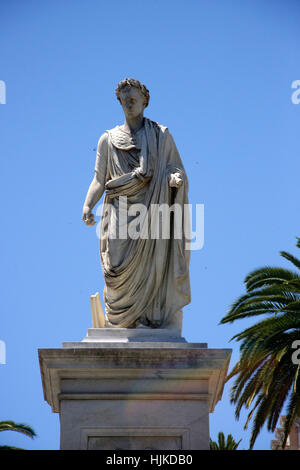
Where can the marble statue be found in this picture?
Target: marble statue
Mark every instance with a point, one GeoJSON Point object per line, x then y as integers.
{"type": "Point", "coordinates": [146, 277]}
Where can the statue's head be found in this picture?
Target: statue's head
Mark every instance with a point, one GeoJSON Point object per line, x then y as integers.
{"type": "Point", "coordinates": [133, 96]}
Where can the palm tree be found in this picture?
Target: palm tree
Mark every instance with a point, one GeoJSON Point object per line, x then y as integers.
{"type": "Point", "coordinates": [222, 444]}
{"type": "Point", "coordinates": [18, 427]}
{"type": "Point", "coordinates": [266, 375]}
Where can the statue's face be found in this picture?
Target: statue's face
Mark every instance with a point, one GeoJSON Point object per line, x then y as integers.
{"type": "Point", "coordinates": [132, 101]}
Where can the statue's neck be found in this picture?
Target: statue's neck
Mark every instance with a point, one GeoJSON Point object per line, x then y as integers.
{"type": "Point", "coordinates": [134, 125]}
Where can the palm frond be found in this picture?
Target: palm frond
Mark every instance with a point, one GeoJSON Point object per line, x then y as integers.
{"type": "Point", "coordinates": [291, 258]}
{"type": "Point", "coordinates": [10, 448]}
{"type": "Point", "coordinates": [268, 276]}
{"type": "Point", "coordinates": [265, 375]}
{"type": "Point", "coordinates": [224, 444]}
{"type": "Point", "coordinates": [18, 427]}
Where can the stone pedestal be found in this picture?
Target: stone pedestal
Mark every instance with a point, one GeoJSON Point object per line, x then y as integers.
{"type": "Point", "coordinates": [133, 389]}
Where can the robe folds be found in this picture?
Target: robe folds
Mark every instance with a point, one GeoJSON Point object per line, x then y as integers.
{"type": "Point", "coordinates": [146, 277]}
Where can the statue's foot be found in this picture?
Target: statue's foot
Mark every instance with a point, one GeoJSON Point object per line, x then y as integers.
{"type": "Point", "coordinates": [151, 325]}
{"type": "Point", "coordinates": [141, 325]}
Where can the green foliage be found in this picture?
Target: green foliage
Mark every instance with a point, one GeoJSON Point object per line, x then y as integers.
{"type": "Point", "coordinates": [10, 448]}
{"type": "Point", "coordinates": [18, 427]}
{"type": "Point", "coordinates": [224, 444]}
{"type": "Point", "coordinates": [266, 377]}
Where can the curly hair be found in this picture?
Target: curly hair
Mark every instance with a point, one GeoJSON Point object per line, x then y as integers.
{"type": "Point", "coordinates": [128, 82]}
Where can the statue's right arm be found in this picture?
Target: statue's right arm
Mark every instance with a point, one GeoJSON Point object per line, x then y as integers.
{"type": "Point", "coordinates": [97, 186]}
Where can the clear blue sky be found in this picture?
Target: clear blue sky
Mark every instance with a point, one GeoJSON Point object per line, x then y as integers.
{"type": "Point", "coordinates": [220, 75]}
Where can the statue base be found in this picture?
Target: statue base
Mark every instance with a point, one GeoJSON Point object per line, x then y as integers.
{"type": "Point", "coordinates": [96, 337]}
{"type": "Point", "coordinates": [133, 389]}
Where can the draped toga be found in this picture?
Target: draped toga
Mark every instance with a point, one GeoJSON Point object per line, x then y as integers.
{"type": "Point", "coordinates": [146, 278]}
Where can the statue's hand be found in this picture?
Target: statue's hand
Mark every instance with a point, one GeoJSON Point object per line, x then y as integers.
{"type": "Point", "coordinates": [88, 216]}
{"type": "Point", "coordinates": [175, 180]}
{"type": "Point", "coordinates": [140, 174]}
